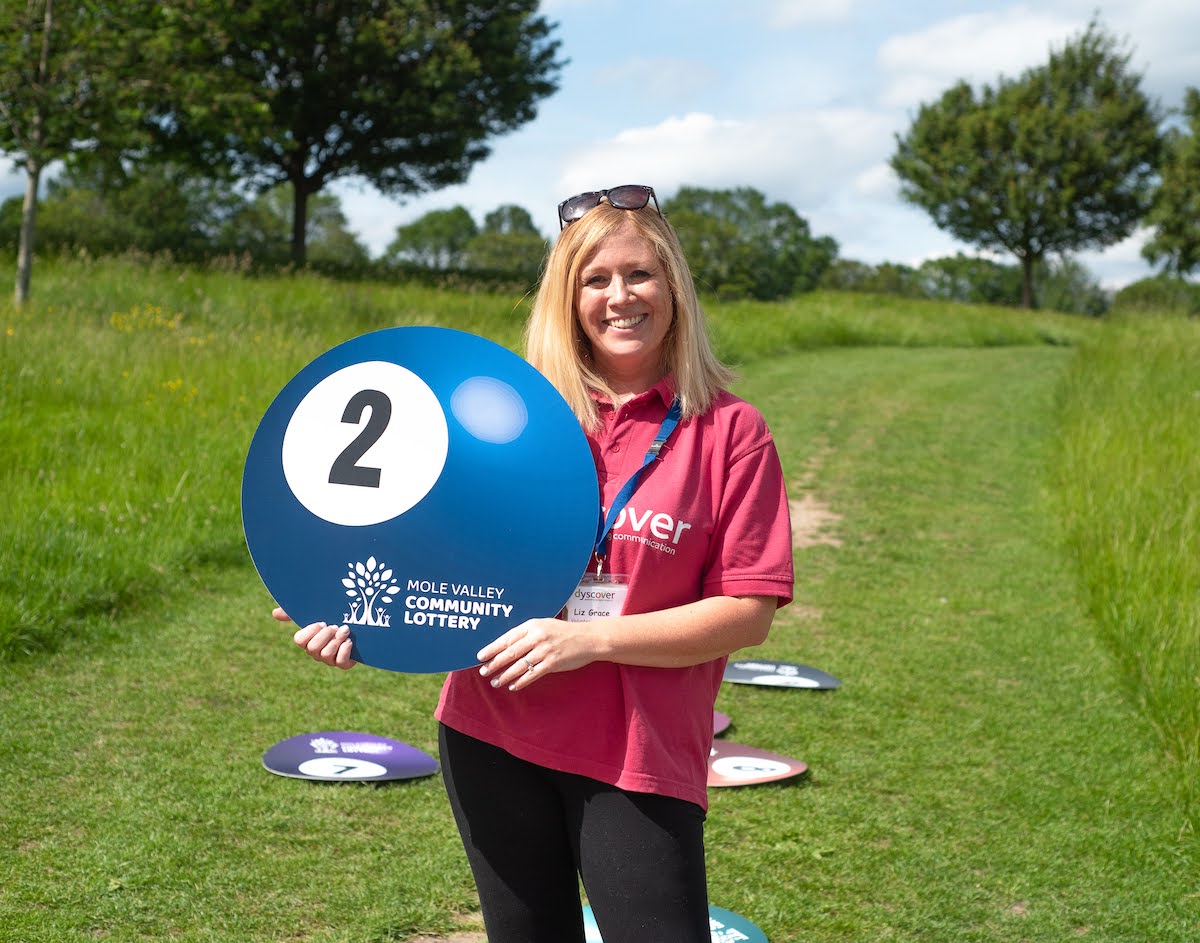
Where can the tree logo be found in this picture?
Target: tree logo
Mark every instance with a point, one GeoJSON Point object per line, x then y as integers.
{"type": "Point", "coordinates": [367, 585]}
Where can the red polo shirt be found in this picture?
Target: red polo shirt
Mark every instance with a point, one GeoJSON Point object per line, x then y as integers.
{"type": "Point", "coordinates": [709, 518]}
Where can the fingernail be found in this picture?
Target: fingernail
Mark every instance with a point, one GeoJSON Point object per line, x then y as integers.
{"type": "Point", "coordinates": [483, 671]}
{"type": "Point", "coordinates": [495, 682]}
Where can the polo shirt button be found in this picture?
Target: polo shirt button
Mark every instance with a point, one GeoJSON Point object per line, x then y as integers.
{"type": "Point", "coordinates": [617, 447]}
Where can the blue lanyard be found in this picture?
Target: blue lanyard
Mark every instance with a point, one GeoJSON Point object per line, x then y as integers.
{"type": "Point", "coordinates": [626, 492]}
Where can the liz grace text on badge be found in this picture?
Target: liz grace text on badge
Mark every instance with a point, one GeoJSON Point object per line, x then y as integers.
{"type": "Point", "coordinates": [448, 605]}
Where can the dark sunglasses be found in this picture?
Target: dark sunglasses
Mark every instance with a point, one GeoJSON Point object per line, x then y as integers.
{"type": "Point", "coordinates": [631, 196]}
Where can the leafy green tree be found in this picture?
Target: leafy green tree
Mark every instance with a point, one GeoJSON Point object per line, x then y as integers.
{"type": "Point", "coordinates": [1059, 160]}
{"type": "Point", "coordinates": [1175, 214]}
{"type": "Point", "coordinates": [738, 245]}
{"type": "Point", "coordinates": [1069, 287]}
{"type": "Point", "coordinates": [404, 95]}
{"type": "Point", "coordinates": [509, 242]}
{"type": "Point", "coordinates": [887, 278]}
{"type": "Point", "coordinates": [262, 229]}
{"type": "Point", "coordinates": [437, 241]}
{"type": "Point", "coordinates": [971, 280]}
{"type": "Point", "coordinates": [160, 209]}
{"type": "Point", "coordinates": [59, 92]}
{"type": "Point", "coordinates": [1161, 294]}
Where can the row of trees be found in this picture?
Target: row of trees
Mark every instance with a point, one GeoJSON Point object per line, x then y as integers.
{"type": "Point", "coordinates": [296, 92]}
{"type": "Point", "coordinates": [739, 244]}
{"type": "Point", "coordinates": [1067, 157]}
{"type": "Point", "coordinates": [1064, 284]}
{"type": "Point", "coordinates": [166, 209]}
{"type": "Point", "coordinates": [200, 127]}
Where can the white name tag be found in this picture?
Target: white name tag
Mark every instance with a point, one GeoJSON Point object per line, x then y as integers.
{"type": "Point", "coordinates": [597, 597]}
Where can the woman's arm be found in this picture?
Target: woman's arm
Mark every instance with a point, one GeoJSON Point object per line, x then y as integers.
{"type": "Point", "coordinates": [671, 638]}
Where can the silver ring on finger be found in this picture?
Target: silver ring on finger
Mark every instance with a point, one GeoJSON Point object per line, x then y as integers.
{"type": "Point", "coordinates": [530, 664]}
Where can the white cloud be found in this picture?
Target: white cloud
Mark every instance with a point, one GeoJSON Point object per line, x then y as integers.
{"type": "Point", "coordinates": [1119, 264]}
{"type": "Point", "coordinates": [795, 157]}
{"type": "Point", "coordinates": [877, 182]}
{"type": "Point", "coordinates": [788, 13]}
{"type": "Point", "coordinates": [977, 47]}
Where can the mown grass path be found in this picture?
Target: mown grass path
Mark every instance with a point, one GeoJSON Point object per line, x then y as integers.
{"type": "Point", "coordinates": [978, 777]}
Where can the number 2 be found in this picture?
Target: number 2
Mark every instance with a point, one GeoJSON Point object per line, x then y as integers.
{"type": "Point", "coordinates": [345, 469]}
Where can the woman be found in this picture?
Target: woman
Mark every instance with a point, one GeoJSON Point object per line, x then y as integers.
{"type": "Point", "coordinates": [580, 748]}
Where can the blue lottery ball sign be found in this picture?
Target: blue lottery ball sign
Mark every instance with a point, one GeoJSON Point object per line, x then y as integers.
{"type": "Point", "coordinates": [424, 486]}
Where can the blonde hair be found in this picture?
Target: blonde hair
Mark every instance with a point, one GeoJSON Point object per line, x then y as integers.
{"type": "Point", "coordinates": [554, 340]}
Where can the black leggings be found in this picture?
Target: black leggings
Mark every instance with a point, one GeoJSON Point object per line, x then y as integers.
{"type": "Point", "coordinates": [529, 831]}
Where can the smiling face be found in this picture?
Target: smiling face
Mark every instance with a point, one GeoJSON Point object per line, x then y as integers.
{"type": "Point", "coordinates": [623, 304]}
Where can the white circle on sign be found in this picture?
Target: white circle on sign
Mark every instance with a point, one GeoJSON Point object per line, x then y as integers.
{"type": "Point", "coordinates": [365, 444]}
{"type": "Point", "coordinates": [786, 681]}
{"type": "Point", "coordinates": [341, 767]}
{"type": "Point", "coordinates": [748, 767]}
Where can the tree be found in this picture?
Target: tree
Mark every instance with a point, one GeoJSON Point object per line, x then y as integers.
{"type": "Point", "coordinates": [971, 280]}
{"type": "Point", "coordinates": [1059, 160]}
{"type": "Point", "coordinates": [59, 92]}
{"type": "Point", "coordinates": [1175, 214]}
{"type": "Point", "coordinates": [402, 94]}
{"type": "Point", "coordinates": [262, 229]}
{"type": "Point", "coordinates": [1069, 287]}
{"type": "Point", "coordinates": [740, 246]}
{"type": "Point", "coordinates": [97, 207]}
{"type": "Point", "coordinates": [438, 240]}
{"type": "Point", "coordinates": [508, 242]}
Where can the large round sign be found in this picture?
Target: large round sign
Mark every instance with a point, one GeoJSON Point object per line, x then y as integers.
{"type": "Point", "coordinates": [424, 486]}
{"type": "Point", "coordinates": [337, 756]}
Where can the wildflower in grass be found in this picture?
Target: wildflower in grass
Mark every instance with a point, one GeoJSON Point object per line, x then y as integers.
{"type": "Point", "coordinates": [145, 318]}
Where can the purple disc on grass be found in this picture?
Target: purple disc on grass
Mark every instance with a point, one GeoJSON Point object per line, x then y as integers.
{"type": "Point", "coordinates": [341, 756]}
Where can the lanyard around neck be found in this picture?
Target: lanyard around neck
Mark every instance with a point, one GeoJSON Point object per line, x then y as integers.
{"type": "Point", "coordinates": [626, 492]}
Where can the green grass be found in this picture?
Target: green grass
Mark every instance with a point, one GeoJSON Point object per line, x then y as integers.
{"type": "Point", "coordinates": [130, 394]}
{"type": "Point", "coordinates": [987, 772]}
{"type": "Point", "coordinates": [1129, 482]}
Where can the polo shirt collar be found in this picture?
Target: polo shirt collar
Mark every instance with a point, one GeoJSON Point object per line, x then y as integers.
{"type": "Point", "coordinates": [664, 389]}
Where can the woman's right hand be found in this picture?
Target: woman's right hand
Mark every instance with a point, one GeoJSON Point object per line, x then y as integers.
{"type": "Point", "coordinates": [328, 644]}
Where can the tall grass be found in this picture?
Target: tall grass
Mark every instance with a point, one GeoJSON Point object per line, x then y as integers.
{"type": "Point", "coordinates": [1129, 480]}
{"type": "Point", "coordinates": [131, 388]}
{"type": "Point", "coordinates": [128, 397]}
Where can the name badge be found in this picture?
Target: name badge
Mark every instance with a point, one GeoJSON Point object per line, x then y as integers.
{"type": "Point", "coordinates": [597, 597]}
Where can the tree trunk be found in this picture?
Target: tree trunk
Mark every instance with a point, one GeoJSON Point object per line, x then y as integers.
{"type": "Point", "coordinates": [28, 231]}
{"type": "Point", "coordinates": [299, 223]}
{"type": "Point", "coordinates": [1027, 281]}
{"type": "Point", "coordinates": [33, 173]}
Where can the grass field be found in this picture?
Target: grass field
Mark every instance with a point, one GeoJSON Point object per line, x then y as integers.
{"type": "Point", "coordinates": [995, 767]}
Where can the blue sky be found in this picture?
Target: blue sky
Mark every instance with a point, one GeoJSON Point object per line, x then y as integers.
{"type": "Point", "coordinates": [799, 99]}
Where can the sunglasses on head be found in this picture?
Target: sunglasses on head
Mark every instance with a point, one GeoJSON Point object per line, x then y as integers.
{"type": "Point", "coordinates": [628, 197]}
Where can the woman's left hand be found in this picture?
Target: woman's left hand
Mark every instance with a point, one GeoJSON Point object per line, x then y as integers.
{"type": "Point", "coordinates": [538, 647]}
